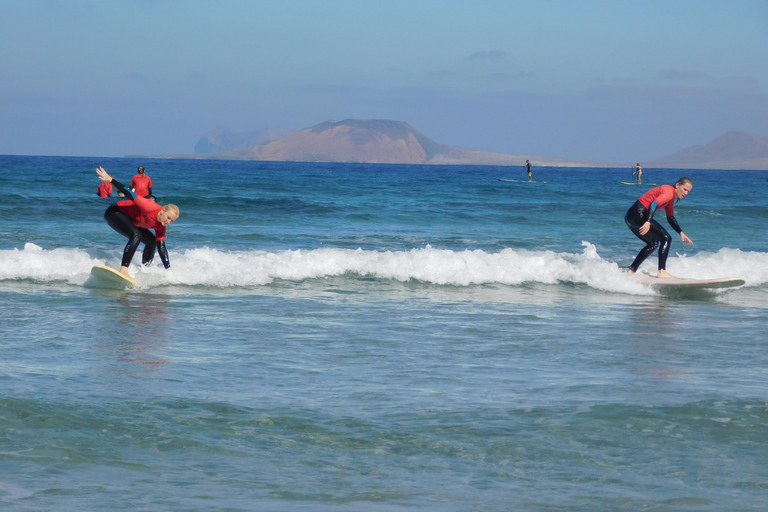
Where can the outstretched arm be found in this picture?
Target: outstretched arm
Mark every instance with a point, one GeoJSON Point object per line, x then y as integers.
{"type": "Point", "coordinates": [673, 222]}
{"type": "Point", "coordinates": [683, 236]}
{"type": "Point", "coordinates": [104, 176]}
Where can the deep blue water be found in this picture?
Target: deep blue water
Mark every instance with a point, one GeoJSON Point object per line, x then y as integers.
{"type": "Point", "coordinates": [379, 337]}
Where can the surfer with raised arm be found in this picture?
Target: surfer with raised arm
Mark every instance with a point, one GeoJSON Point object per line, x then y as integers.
{"type": "Point", "coordinates": [133, 218]}
{"type": "Point", "coordinates": [639, 219]}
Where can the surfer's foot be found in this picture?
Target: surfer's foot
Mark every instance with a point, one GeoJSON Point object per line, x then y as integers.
{"type": "Point", "coordinates": [124, 271]}
{"type": "Point", "coordinates": [630, 271]}
{"type": "Point", "coordinates": [663, 274]}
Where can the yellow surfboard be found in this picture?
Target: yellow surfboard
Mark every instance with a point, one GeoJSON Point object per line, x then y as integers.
{"type": "Point", "coordinates": [107, 277]}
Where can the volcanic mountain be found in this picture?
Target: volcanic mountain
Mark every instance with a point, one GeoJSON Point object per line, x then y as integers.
{"type": "Point", "coordinates": [376, 141]}
{"type": "Point", "coordinates": [221, 140]}
{"type": "Point", "coordinates": [732, 150]}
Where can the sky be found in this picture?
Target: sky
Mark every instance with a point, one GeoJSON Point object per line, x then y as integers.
{"type": "Point", "coordinates": [610, 81]}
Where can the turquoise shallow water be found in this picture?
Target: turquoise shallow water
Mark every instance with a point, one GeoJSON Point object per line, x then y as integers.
{"type": "Point", "coordinates": [371, 337]}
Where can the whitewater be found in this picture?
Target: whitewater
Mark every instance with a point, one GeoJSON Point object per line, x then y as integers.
{"type": "Point", "coordinates": [214, 269]}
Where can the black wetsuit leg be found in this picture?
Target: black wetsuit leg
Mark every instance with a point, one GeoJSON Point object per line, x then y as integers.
{"type": "Point", "coordinates": [120, 222]}
{"type": "Point", "coordinates": [149, 246]}
{"type": "Point", "coordinates": [657, 236]}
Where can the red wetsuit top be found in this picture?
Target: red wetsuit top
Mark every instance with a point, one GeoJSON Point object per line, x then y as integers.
{"type": "Point", "coordinates": [141, 183]}
{"type": "Point", "coordinates": [664, 195]}
{"type": "Point", "coordinates": [104, 190]}
{"type": "Point", "coordinates": [143, 213]}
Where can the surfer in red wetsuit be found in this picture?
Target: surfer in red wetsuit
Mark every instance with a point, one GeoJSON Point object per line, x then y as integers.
{"type": "Point", "coordinates": [640, 221]}
{"type": "Point", "coordinates": [141, 184]}
{"type": "Point", "coordinates": [104, 190]}
{"type": "Point", "coordinates": [133, 218]}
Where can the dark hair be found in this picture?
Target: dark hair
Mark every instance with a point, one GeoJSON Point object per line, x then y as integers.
{"type": "Point", "coordinates": [141, 169]}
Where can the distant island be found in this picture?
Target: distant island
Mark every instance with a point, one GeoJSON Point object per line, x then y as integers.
{"type": "Point", "coordinates": [732, 150]}
{"type": "Point", "coordinates": [397, 142]}
{"type": "Point", "coordinates": [222, 140]}
{"type": "Point", "coordinates": [362, 141]}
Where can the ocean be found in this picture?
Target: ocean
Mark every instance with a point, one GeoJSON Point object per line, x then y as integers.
{"type": "Point", "coordinates": [343, 337]}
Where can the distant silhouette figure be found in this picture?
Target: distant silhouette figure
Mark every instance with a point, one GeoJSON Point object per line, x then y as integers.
{"type": "Point", "coordinates": [528, 168]}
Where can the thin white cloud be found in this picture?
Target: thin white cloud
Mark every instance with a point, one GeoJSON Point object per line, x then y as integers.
{"type": "Point", "coordinates": [508, 77]}
{"type": "Point", "coordinates": [683, 76]}
{"type": "Point", "coordinates": [440, 75]}
{"type": "Point", "coordinates": [491, 55]}
{"type": "Point", "coordinates": [747, 81]}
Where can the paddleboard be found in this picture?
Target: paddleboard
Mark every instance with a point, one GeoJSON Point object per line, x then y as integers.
{"type": "Point", "coordinates": [107, 277]}
{"type": "Point", "coordinates": [526, 181]}
{"type": "Point", "coordinates": [635, 183]}
{"type": "Point", "coordinates": [684, 282]}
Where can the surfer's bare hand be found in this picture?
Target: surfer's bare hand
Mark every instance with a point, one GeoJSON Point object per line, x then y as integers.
{"type": "Point", "coordinates": [645, 228]}
{"type": "Point", "coordinates": [685, 238]}
{"type": "Point", "coordinates": [103, 175]}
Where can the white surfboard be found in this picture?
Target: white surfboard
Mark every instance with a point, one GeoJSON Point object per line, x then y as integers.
{"type": "Point", "coordinates": [525, 181]}
{"type": "Point", "coordinates": [635, 183]}
{"type": "Point", "coordinates": [684, 282]}
{"type": "Point", "coordinates": [107, 277]}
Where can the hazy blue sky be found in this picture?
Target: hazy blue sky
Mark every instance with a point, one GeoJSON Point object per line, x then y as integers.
{"type": "Point", "coordinates": [605, 80]}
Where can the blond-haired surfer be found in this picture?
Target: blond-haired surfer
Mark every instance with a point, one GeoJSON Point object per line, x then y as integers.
{"type": "Point", "coordinates": [133, 218]}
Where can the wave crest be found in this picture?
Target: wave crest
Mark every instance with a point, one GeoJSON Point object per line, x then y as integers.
{"type": "Point", "coordinates": [229, 269]}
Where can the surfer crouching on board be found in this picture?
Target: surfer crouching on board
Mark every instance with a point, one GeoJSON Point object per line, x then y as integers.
{"type": "Point", "coordinates": [640, 221]}
{"type": "Point", "coordinates": [133, 218]}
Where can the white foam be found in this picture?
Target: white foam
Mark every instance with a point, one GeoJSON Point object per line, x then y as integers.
{"type": "Point", "coordinates": [225, 269]}
{"type": "Point", "coordinates": [751, 266]}
{"type": "Point", "coordinates": [53, 265]}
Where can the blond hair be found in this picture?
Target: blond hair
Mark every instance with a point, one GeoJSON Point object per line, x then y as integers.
{"type": "Point", "coordinates": [172, 208]}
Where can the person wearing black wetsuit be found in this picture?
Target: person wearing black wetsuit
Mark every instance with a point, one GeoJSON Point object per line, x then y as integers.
{"type": "Point", "coordinates": [133, 218]}
{"type": "Point", "coordinates": [640, 221]}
